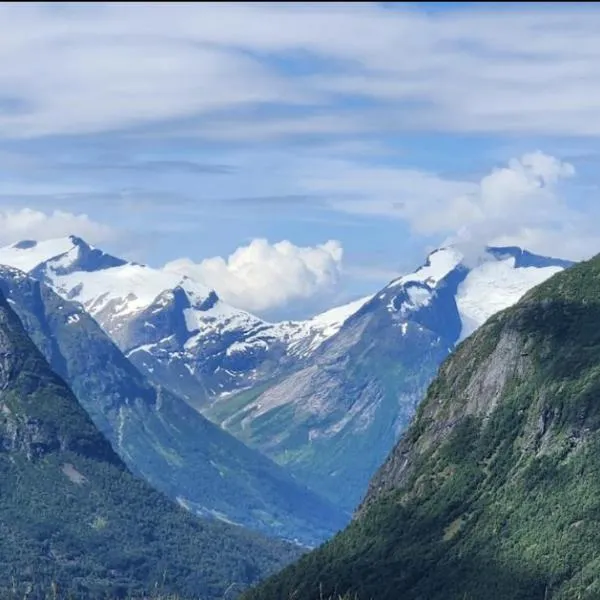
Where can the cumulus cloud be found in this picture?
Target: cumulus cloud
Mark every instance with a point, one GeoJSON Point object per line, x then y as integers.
{"type": "Point", "coordinates": [262, 276]}
{"type": "Point", "coordinates": [26, 223]}
{"type": "Point", "coordinates": [512, 202]}
{"type": "Point", "coordinates": [523, 201]}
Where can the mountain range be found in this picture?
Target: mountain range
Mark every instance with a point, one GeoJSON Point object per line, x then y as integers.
{"type": "Point", "coordinates": [176, 330]}
{"type": "Point", "coordinates": [333, 420]}
{"type": "Point", "coordinates": [493, 491]}
{"type": "Point", "coordinates": [325, 398]}
{"type": "Point", "coordinates": [157, 434]}
{"type": "Point", "coordinates": [74, 522]}
{"type": "Point", "coordinates": [484, 495]}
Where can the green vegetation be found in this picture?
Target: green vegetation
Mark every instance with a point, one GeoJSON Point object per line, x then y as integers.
{"type": "Point", "coordinates": [234, 404]}
{"type": "Point", "coordinates": [158, 435]}
{"type": "Point", "coordinates": [53, 593]}
{"type": "Point", "coordinates": [494, 491]}
{"type": "Point", "coordinates": [20, 591]}
{"type": "Point", "coordinates": [73, 517]}
{"type": "Point", "coordinates": [370, 388]}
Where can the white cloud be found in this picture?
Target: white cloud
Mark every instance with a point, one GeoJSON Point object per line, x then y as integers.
{"type": "Point", "coordinates": [513, 202]}
{"type": "Point", "coordinates": [26, 223]}
{"type": "Point", "coordinates": [522, 194]}
{"type": "Point", "coordinates": [262, 276]}
{"type": "Point", "coordinates": [523, 202]}
{"type": "Point", "coordinates": [70, 68]}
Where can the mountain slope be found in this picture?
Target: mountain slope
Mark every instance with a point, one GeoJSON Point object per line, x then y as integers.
{"type": "Point", "coordinates": [157, 434]}
{"type": "Point", "coordinates": [494, 490]}
{"type": "Point", "coordinates": [326, 398]}
{"type": "Point", "coordinates": [333, 421]}
{"type": "Point", "coordinates": [174, 329]}
{"type": "Point", "coordinates": [71, 513]}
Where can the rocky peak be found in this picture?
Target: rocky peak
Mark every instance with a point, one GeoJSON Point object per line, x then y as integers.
{"type": "Point", "coordinates": [82, 257]}
{"type": "Point", "coordinates": [209, 302]}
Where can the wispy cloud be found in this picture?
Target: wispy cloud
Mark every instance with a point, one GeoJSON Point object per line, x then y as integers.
{"type": "Point", "coordinates": [115, 66]}
{"type": "Point", "coordinates": [146, 166]}
{"type": "Point", "coordinates": [189, 127]}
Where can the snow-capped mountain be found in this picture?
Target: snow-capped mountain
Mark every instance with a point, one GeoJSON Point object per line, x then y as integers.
{"type": "Point", "coordinates": [302, 338]}
{"type": "Point", "coordinates": [157, 434]}
{"type": "Point", "coordinates": [334, 420]}
{"type": "Point", "coordinates": [176, 330]}
{"type": "Point", "coordinates": [327, 397]}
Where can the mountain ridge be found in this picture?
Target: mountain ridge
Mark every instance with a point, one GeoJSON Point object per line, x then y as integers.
{"type": "Point", "coordinates": [73, 519]}
{"type": "Point", "coordinates": [492, 492]}
{"type": "Point", "coordinates": [159, 435]}
{"type": "Point", "coordinates": [345, 406]}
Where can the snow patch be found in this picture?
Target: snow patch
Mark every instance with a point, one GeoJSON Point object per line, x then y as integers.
{"type": "Point", "coordinates": [30, 256]}
{"type": "Point", "coordinates": [304, 337]}
{"type": "Point", "coordinates": [441, 262]}
{"type": "Point", "coordinates": [494, 286]}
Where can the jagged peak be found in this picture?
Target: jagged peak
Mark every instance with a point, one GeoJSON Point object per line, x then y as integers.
{"type": "Point", "coordinates": [77, 241]}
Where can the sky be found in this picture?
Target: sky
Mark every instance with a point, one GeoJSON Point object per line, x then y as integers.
{"type": "Point", "coordinates": [295, 156]}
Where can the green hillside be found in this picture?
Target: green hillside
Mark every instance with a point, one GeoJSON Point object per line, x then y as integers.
{"type": "Point", "coordinates": [72, 514]}
{"type": "Point", "coordinates": [494, 491]}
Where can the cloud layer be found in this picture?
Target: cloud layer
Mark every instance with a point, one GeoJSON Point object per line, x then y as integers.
{"type": "Point", "coordinates": [263, 276]}
{"type": "Point", "coordinates": [75, 68]}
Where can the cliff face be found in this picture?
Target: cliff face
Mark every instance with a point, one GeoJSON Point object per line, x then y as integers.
{"type": "Point", "coordinates": [469, 385]}
{"type": "Point", "coordinates": [494, 490]}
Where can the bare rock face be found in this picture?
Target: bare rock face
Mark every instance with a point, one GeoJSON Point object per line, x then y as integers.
{"type": "Point", "coordinates": [468, 384]}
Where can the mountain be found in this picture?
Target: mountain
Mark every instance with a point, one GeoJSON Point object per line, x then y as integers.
{"type": "Point", "coordinates": [74, 522]}
{"type": "Point", "coordinates": [494, 490]}
{"type": "Point", "coordinates": [326, 398]}
{"type": "Point", "coordinates": [174, 329]}
{"type": "Point", "coordinates": [333, 420]}
{"type": "Point", "coordinates": [158, 435]}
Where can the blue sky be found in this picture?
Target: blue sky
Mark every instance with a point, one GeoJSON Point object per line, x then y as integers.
{"type": "Point", "coordinates": [192, 130]}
